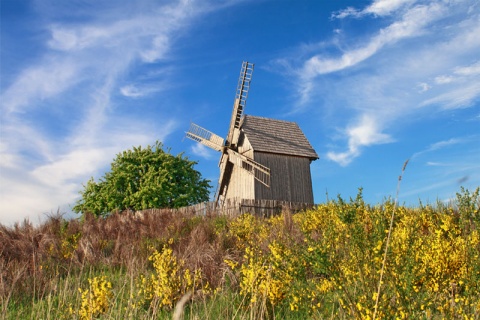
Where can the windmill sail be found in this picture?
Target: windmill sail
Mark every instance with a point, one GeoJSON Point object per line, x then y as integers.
{"type": "Point", "coordinates": [241, 95]}
{"type": "Point", "coordinates": [205, 137]}
{"type": "Point", "coordinates": [259, 172]}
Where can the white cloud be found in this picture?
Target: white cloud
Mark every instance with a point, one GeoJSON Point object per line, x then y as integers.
{"type": "Point", "coordinates": [424, 87]}
{"type": "Point", "coordinates": [29, 198]}
{"type": "Point", "coordinates": [91, 52]}
{"type": "Point", "coordinates": [385, 86]}
{"type": "Point", "coordinates": [377, 8]}
{"type": "Point", "coordinates": [455, 98]}
{"type": "Point", "coordinates": [436, 164]}
{"type": "Point", "coordinates": [82, 37]}
{"type": "Point", "coordinates": [443, 144]}
{"type": "Point", "coordinates": [8, 159]}
{"type": "Point", "coordinates": [439, 145]}
{"type": "Point", "coordinates": [204, 152]}
{"type": "Point", "coordinates": [347, 12]}
{"type": "Point", "coordinates": [131, 91]}
{"type": "Point", "coordinates": [29, 188]}
{"type": "Point", "coordinates": [386, 7]}
{"type": "Point", "coordinates": [136, 91]}
{"type": "Point", "coordinates": [157, 50]}
{"type": "Point", "coordinates": [460, 73]}
{"type": "Point", "coordinates": [444, 79]}
{"type": "Point", "coordinates": [63, 39]}
{"type": "Point", "coordinates": [364, 133]}
{"type": "Point", "coordinates": [471, 70]}
{"type": "Point", "coordinates": [73, 166]}
{"type": "Point", "coordinates": [411, 24]}
{"type": "Point", "coordinates": [40, 82]}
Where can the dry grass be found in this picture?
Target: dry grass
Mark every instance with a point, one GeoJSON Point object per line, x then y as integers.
{"type": "Point", "coordinates": [43, 267]}
{"type": "Point", "coordinates": [32, 258]}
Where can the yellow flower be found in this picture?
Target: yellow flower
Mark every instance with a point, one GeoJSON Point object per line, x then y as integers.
{"type": "Point", "coordinates": [95, 299]}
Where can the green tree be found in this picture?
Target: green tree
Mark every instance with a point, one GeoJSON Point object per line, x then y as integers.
{"type": "Point", "coordinates": [144, 178]}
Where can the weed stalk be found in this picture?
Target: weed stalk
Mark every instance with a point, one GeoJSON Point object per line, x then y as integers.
{"type": "Point", "coordinates": [388, 239]}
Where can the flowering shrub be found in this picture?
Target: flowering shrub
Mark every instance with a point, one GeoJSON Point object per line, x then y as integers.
{"type": "Point", "coordinates": [69, 245]}
{"type": "Point", "coordinates": [169, 281]}
{"type": "Point", "coordinates": [432, 267]}
{"type": "Point", "coordinates": [264, 277]}
{"type": "Point", "coordinates": [95, 299]}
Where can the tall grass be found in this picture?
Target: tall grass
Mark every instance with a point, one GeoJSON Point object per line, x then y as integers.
{"type": "Point", "coordinates": [382, 271]}
{"type": "Point", "coordinates": [322, 263]}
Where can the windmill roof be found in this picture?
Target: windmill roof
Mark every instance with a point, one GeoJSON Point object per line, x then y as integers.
{"type": "Point", "coordinates": [277, 136]}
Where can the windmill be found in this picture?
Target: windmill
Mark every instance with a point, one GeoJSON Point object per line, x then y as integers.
{"type": "Point", "coordinates": [261, 158]}
{"type": "Point", "coordinates": [229, 147]}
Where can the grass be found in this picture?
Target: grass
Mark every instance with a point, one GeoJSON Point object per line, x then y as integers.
{"type": "Point", "coordinates": [324, 263]}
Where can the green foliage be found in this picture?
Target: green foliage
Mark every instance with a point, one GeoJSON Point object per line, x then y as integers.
{"type": "Point", "coordinates": [144, 178]}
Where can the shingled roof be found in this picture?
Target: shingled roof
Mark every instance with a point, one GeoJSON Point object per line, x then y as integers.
{"type": "Point", "coordinates": [277, 136]}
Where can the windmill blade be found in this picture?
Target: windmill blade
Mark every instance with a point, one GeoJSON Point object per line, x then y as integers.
{"type": "Point", "coordinates": [260, 172]}
{"type": "Point", "coordinates": [240, 101]}
{"type": "Point", "coordinates": [205, 137]}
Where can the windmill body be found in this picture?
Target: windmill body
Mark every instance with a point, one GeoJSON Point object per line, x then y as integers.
{"type": "Point", "coordinates": [282, 147]}
{"type": "Point", "coordinates": [262, 159]}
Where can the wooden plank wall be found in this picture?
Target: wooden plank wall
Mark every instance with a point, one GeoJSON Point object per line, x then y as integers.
{"type": "Point", "coordinates": [241, 184]}
{"type": "Point", "coordinates": [290, 178]}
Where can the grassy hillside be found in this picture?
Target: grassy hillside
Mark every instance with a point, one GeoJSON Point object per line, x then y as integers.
{"type": "Point", "coordinates": [323, 263]}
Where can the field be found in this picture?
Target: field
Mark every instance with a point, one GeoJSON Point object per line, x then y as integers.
{"type": "Point", "coordinates": [325, 263]}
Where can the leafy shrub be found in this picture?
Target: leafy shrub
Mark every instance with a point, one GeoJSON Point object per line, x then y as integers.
{"type": "Point", "coordinates": [144, 178]}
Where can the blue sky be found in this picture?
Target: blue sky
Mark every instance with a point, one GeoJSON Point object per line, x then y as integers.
{"type": "Point", "coordinates": [371, 84]}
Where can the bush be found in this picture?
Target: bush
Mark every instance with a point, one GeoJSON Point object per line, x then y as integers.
{"type": "Point", "coordinates": [142, 179]}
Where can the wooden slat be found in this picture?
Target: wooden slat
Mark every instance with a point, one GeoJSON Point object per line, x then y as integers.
{"type": "Point", "coordinates": [202, 135]}
{"type": "Point", "coordinates": [290, 178]}
{"type": "Point", "coordinates": [235, 207]}
{"type": "Point", "coordinates": [240, 101]}
{"type": "Point", "coordinates": [260, 172]}
{"type": "Point", "coordinates": [277, 136]}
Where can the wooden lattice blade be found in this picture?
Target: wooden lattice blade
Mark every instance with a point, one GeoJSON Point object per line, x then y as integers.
{"type": "Point", "coordinates": [240, 101]}
{"type": "Point", "coordinates": [259, 171]}
{"type": "Point", "coordinates": [205, 137]}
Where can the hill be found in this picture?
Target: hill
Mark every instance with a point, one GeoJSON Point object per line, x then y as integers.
{"type": "Point", "coordinates": [322, 263]}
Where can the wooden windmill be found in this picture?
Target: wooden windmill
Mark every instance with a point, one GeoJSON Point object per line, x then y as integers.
{"type": "Point", "coordinates": [282, 171]}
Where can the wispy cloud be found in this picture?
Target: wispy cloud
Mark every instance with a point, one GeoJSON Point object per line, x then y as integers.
{"type": "Point", "coordinates": [440, 145]}
{"type": "Point", "coordinates": [411, 24]}
{"type": "Point", "coordinates": [362, 134]}
{"type": "Point", "coordinates": [460, 97]}
{"type": "Point", "coordinates": [443, 79]}
{"type": "Point", "coordinates": [138, 91]}
{"type": "Point", "coordinates": [444, 166]}
{"type": "Point", "coordinates": [83, 62]}
{"type": "Point", "coordinates": [385, 76]}
{"type": "Point", "coordinates": [461, 73]}
{"type": "Point", "coordinates": [377, 8]}
{"type": "Point", "coordinates": [471, 70]}
{"type": "Point", "coordinates": [424, 87]}
{"type": "Point", "coordinates": [203, 151]}
{"type": "Point", "coordinates": [437, 164]}
{"type": "Point", "coordinates": [40, 82]}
